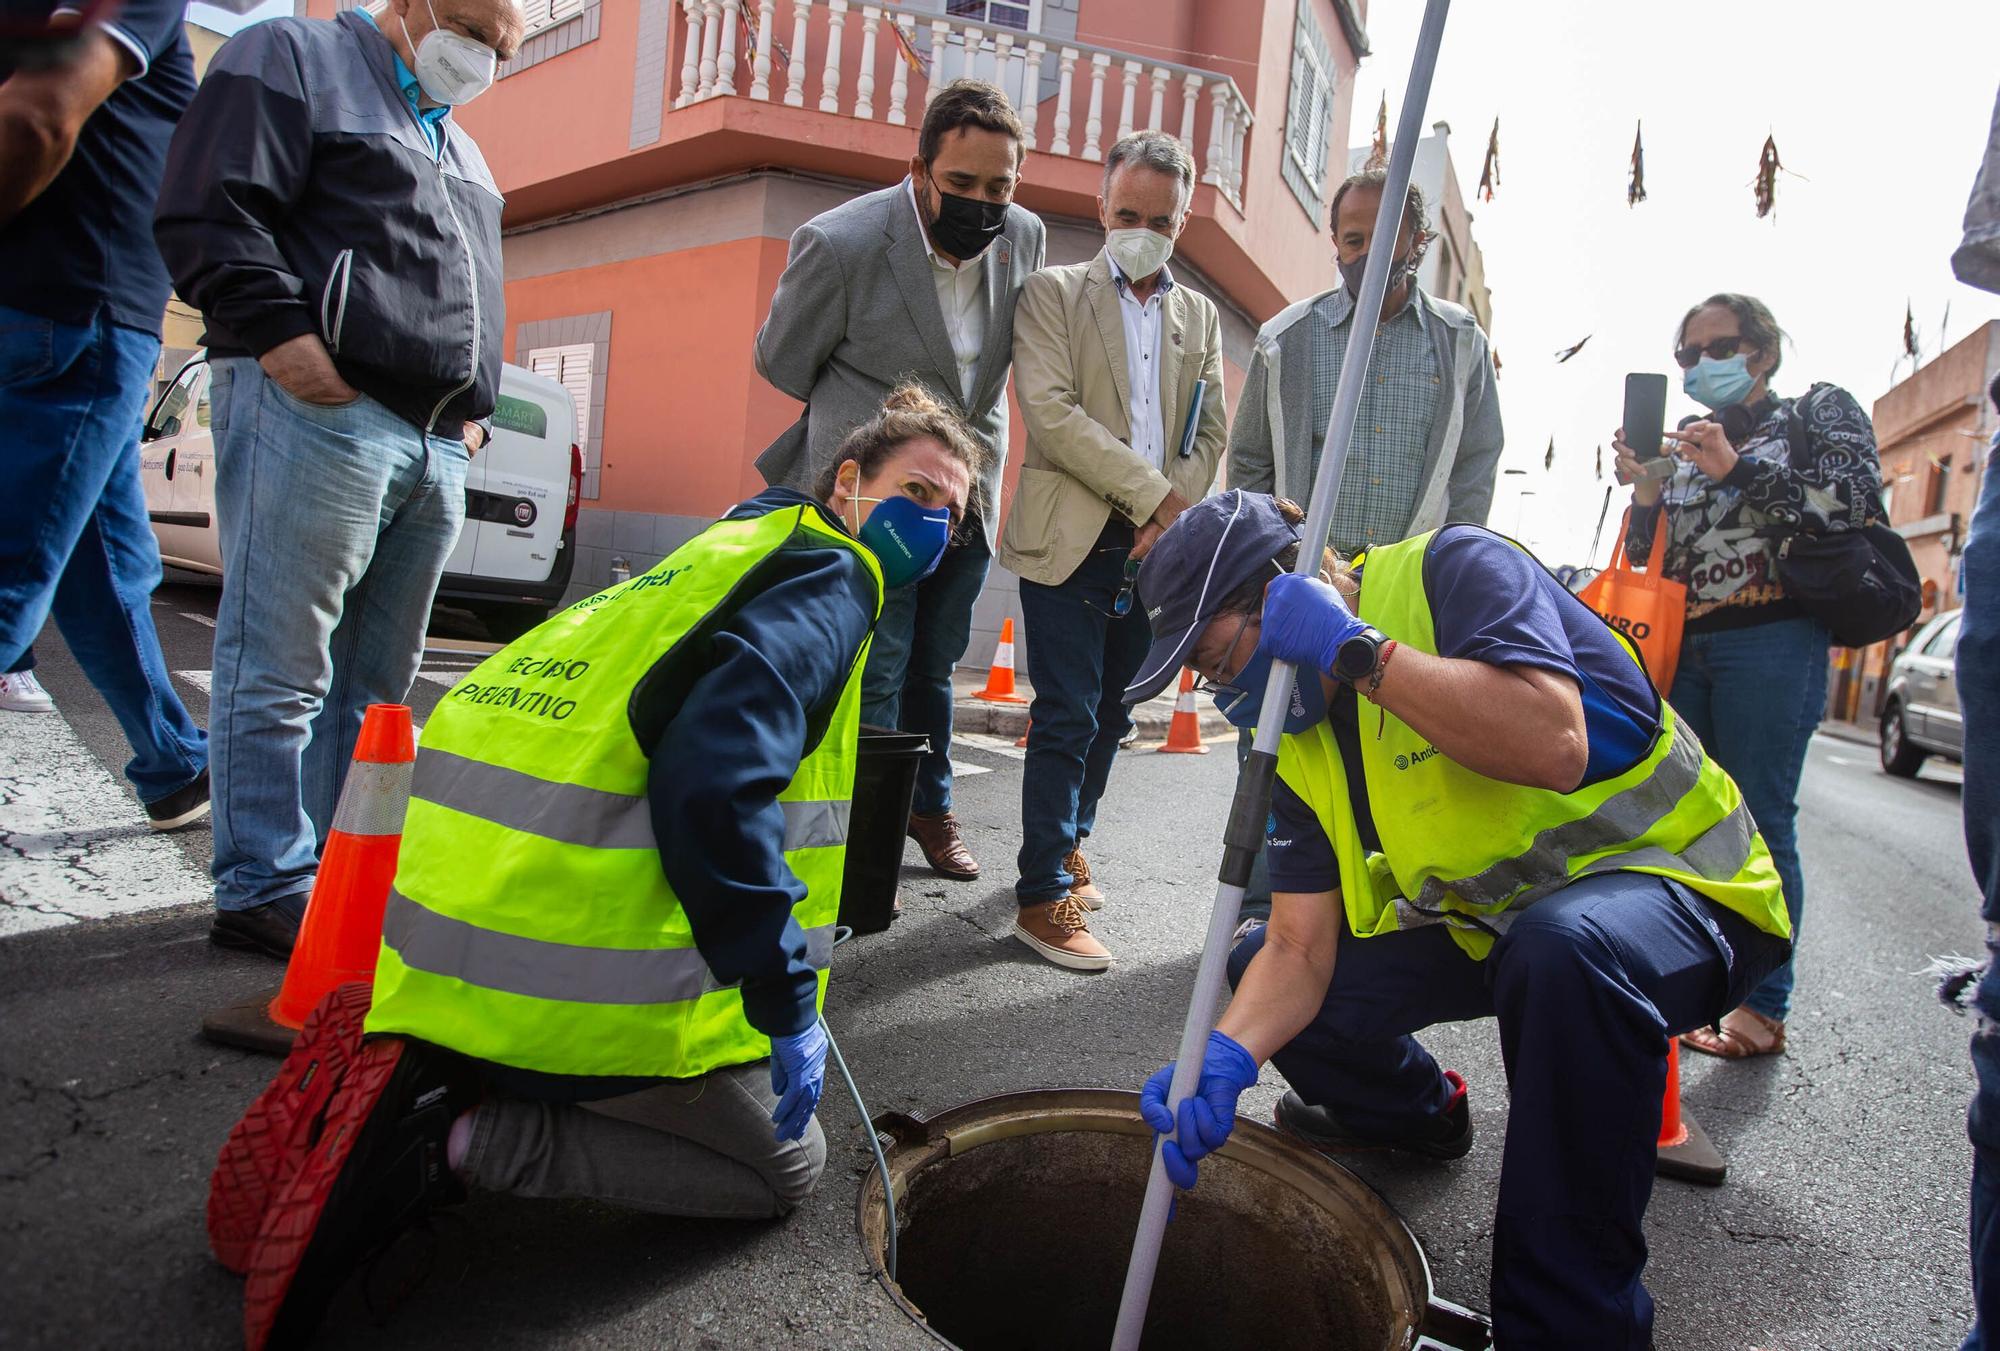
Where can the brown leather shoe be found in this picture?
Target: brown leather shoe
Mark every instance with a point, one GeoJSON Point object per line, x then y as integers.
{"type": "Point", "coordinates": [1083, 891]}
{"type": "Point", "coordinates": [944, 848]}
{"type": "Point", "coordinates": [1058, 931]}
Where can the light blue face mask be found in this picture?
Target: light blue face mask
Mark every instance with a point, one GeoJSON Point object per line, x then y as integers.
{"type": "Point", "coordinates": [1717, 384]}
{"type": "Point", "coordinates": [907, 539]}
{"type": "Point", "coordinates": [1241, 701]}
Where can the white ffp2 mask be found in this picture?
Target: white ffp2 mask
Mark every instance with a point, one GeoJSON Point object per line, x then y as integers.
{"type": "Point", "coordinates": [450, 67]}
{"type": "Point", "coordinates": [1139, 252]}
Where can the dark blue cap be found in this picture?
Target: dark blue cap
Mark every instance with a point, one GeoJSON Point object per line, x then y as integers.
{"type": "Point", "coordinates": [1217, 545]}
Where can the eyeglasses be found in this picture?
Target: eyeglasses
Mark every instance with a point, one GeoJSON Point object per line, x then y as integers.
{"type": "Point", "coordinates": [1203, 685]}
{"type": "Point", "coordinates": [1721, 349]}
{"type": "Point", "coordinates": [1121, 604]}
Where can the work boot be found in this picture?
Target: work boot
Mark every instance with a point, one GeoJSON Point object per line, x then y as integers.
{"type": "Point", "coordinates": [1082, 890]}
{"type": "Point", "coordinates": [944, 847]}
{"type": "Point", "coordinates": [266, 1146]}
{"type": "Point", "coordinates": [376, 1169]}
{"type": "Point", "coordinates": [182, 807]}
{"type": "Point", "coordinates": [1449, 1138]}
{"type": "Point", "coordinates": [1058, 930]}
{"type": "Point", "coordinates": [271, 928]}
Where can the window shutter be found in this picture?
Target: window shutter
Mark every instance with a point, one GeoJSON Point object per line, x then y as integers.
{"type": "Point", "coordinates": [569, 367]}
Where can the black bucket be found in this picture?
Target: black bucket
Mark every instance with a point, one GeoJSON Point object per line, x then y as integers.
{"type": "Point", "coordinates": [885, 781]}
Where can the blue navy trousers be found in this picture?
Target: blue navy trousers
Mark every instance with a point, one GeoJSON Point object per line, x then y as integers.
{"type": "Point", "coordinates": [1587, 984]}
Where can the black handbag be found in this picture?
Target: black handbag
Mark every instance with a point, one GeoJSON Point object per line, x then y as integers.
{"type": "Point", "coordinates": [1860, 583]}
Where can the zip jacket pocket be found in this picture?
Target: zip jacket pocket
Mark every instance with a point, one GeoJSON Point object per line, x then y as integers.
{"type": "Point", "coordinates": [333, 300]}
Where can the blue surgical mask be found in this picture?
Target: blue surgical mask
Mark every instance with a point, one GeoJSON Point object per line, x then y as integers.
{"type": "Point", "coordinates": [907, 539]}
{"type": "Point", "coordinates": [1243, 700]}
{"type": "Point", "coordinates": [1717, 384]}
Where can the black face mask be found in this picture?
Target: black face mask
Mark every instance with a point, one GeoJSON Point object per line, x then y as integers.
{"type": "Point", "coordinates": [1350, 274]}
{"type": "Point", "coordinates": [964, 226]}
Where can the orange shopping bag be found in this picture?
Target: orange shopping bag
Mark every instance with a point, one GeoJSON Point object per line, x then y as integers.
{"type": "Point", "coordinates": [1645, 606]}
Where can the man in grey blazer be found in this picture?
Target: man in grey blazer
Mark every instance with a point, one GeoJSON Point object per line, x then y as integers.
{"type": "Point", "coordinates": [917, 281]}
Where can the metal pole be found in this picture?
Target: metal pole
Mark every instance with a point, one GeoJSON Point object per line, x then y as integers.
{"type": "Point", "coordinates": [1244, 833]}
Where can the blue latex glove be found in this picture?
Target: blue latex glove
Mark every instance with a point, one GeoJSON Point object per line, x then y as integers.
{"type": "Point", "coordinates": [1207, 1115]}
{"type": "Point", "coordinates": [798, 1074]}
{"type": "Point", "coordinates": [1305, 622]}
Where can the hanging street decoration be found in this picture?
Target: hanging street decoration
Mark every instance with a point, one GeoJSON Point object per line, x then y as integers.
{"type": "Point", "coordinates": [1496, 363]}
{"type": "Point", "coordinates": [1549, 460]}
{"type": "Point", "coordinates": [911, 57]}
{"type": "Point", "coordinates": [781, 55]}
{"type": "Point", "coordinates": [1569, 352]}
{"type": "Point", "coordinates": [1489, 173]}
{"type": "Point", "coordinates": [1909, 331]}
{"type": "Point", "coordinates": [1635, 191]}
{"type": "Point", "coordinates": [1378, 150]}
{"type": "Point", "coordinates": [1600, 461]}
{"type": "Point", "coordinates": [1767, 177]}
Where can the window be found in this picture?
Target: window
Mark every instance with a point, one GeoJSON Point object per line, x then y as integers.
{"type": "Point", "coordinates": [1016, 14]}
{"type": "Point", "coordinates": [542, 15]}
{"type": "Point", "coordinates": [1945, 641]}
{"type": "Point", "coordinates": [1934, 487]}
{"type": "Point", "coordinates": [569, 367]}
{"type": "Point", "coordinates": [1309, 113]}
{"type": "Point", "coordinates": [167, 417]}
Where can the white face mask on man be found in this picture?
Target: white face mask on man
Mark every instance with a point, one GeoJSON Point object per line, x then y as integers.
{"type": "Point", "coordinates": [1139, 251]}
{"type": "Point", "coordinates": [450, 67]}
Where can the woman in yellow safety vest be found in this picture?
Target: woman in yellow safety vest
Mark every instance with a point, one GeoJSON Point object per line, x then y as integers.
{"type": "Point", "coordinates": [615, 898]}
{"type": "Point", "coordinates": [1518, 827]}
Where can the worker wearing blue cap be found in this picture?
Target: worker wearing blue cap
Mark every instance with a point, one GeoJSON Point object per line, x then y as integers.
{"type": "Point", "coordinates": [1518, 827]}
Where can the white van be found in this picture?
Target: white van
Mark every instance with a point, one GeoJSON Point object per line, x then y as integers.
{"type": "Point", "coordinates": [513, 559]}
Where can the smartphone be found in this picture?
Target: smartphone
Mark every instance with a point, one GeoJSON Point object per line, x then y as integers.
{"type": "Point", "coordinates": [1645, 413]}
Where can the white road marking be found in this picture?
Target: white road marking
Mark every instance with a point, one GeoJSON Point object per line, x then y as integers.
{"type": "Point", "coordinates": [203, 620]}
{"type": "Point", "coordinates": [74, 844]}
{"type": "Point", "coordinates": [998, 745]}
{"type": "Point", "coordinates": [1845, 760]}
{"type": "Point", "coordinates": [962, 770]}
{"type": "Point", "coordinates": [198, 679]}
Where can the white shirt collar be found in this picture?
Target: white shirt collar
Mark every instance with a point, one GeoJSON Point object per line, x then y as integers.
{"type": "Point", "coordinates": [1123, 282]}
{"type": "Point", "coordinates": [910, 189]}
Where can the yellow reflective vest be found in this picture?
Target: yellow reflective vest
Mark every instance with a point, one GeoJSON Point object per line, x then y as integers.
{"type": "Point", "coordinates": [530, 923]}
{"type": "Point", "coordinates": [1469, 851]}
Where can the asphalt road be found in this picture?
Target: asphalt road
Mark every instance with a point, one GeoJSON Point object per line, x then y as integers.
{"type": "Point", "coordinates": [1841, 1225]}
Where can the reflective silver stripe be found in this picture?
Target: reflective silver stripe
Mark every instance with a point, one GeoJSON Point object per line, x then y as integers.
{"type": "Point", "coordinates": [591, 817]}
{"type": "Point", "coordinates": [815, 825]}
{"type": "Point", "coordinates": [373, 799]}
{"type": "Point", "coordinates": [1545, 863]}
{"type": "Point", "coordinates": [567, 812]}
{"type": "Point", "coordinates": [427, 941]}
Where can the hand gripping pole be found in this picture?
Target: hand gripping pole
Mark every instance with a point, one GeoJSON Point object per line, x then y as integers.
{"type": "Point", "coordinates": [1251, 807]}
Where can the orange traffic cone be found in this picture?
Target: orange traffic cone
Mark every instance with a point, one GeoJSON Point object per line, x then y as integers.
{"type": "Point", "coordinates": [342, 932]}
{"type": "Point", "coordinates": [1685, 1151]}
{"type": "Point", "coordinates": [1000, 675]}
{"type": "Point", "coordinates": [1184, 732]}
{"type": "Point", "coordinates": [1023, 742]}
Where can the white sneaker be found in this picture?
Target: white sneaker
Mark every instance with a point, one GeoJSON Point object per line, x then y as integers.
{"type": "Point", "coordinates": [22, 693]}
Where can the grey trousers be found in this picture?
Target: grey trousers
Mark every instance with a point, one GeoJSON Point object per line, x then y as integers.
{"type": "Point", "coordinates": [690, 1147]}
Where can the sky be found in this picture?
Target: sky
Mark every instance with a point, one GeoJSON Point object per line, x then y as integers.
{"type": "Point", "coordinates": [1881, 112]}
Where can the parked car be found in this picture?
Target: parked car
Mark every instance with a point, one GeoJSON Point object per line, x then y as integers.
{"type": "Point", "coordinates": [1920, 715]}
{"type": "Point", "coordinates": [513, 559]}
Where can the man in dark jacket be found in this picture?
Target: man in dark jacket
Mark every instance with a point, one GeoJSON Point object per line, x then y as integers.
{"type": "Point", "coordinates": [84, 125]}
{"type": "Point", "coordinates": [341, 235]}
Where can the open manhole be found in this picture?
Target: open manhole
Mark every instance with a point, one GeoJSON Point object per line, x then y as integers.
{"type": "Point", "coordinates": [1016, 1216]}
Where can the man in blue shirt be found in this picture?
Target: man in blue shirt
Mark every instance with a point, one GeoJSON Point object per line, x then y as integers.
{"type": "Point", "coordinates": [84, 128]}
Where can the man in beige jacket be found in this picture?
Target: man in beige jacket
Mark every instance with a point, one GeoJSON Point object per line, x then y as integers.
{"type": "Point", "coordinates": [1118, 370]}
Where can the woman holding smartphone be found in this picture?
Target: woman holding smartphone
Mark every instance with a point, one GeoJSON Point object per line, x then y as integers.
{"type": "Point", "coordinates": [1751, 681]}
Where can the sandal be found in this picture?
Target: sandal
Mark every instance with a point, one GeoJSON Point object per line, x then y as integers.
{"type": "Point", "coordinates": [1743, 1033]}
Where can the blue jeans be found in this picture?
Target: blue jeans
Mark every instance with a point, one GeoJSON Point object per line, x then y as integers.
{"type": "Point", "coordinates": [1080, 660]}
{"type": "Point", "coordinates": [75, 540]}
{"type": "Point", "coordinates": [336, 523]}
{"type": "Point", "coordinates": [1588, 984]}
{"type": "Point", "coordinates": [923, 632]}
{"type": "Point", "coordinates": [1979, 701]}
{"type": "Point", "coordinates": [1753, 696]}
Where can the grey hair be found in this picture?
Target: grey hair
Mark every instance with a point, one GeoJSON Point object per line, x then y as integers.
{"type": "Point", "coordinates": [1754, 322]}
{"type": "Point", "coordinates": [1157, 151]}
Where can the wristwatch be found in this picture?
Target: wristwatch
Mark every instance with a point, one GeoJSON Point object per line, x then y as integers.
{"type": "Point", "coordinates": [1356, 658]}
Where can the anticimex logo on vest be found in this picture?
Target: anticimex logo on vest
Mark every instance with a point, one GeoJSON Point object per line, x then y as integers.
{"type": "Point", "coordinates": [1405, 761]}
